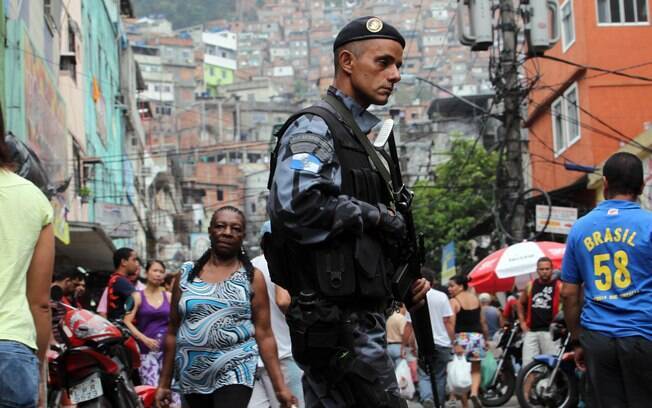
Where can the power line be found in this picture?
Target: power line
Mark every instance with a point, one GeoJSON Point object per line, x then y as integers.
{"type": "Point", "coordinates": [120, 158]}
{"type": "Point", "coordinates": [594, 68]}
{"type": "Point", "coordinates": [620, 137]}
{"type": "Point", "coordinates": [460, 98]}
{"type": "Point", "coordinates": [643, 64]}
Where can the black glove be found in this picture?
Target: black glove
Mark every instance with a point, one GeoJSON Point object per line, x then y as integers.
{"type": "Point", "coordinates": [390, 223]}
{"type": "Point", "coordinates": [370, 214]}
{"type": "Point", "coordinates": [382, 219]}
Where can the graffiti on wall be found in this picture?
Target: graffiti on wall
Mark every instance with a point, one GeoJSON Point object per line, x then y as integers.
{"type": "Point", "coordinates": [45, 114]}
{"type": "Point", "coordinates": [100, 110]}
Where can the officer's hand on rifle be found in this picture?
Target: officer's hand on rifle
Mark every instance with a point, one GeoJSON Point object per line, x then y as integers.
{"type": "Point", "coordinates": [384, 219]}
{"type": "Point", "coordinates": [419, 289]}
{"type": "Point", "coordinates": [391, 222]}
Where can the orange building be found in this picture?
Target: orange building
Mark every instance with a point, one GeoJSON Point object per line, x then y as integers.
{"type": "Point", "coordinates": [581, 115]}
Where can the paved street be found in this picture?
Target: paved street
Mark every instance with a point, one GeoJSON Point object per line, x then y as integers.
{"type": "Point", "coordinates": [513, 403]}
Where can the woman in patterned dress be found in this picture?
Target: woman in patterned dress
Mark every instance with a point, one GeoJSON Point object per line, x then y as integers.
{"type": "Point", "coordinates": [218, 323]}
{"type": "Point", "coordinates": [471, 333]}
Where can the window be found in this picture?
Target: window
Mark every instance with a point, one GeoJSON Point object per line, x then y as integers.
{"type": "Point", "coordinates": [51, 11]}
{"type": "Point", "coordinates": [567, 25]}
{"type": "Point", "coordinates": [622, 11]}
{"type": "Point", "coordinates": [220, 195]}
{"type": "Point", "coordinates": [72, 47]}
{"type": "Point", "coordinates": [557, 126]}
{"type": "Point", "coordinates": [566, 119]}
{"type": "Point", "coordinates": [573, 114]}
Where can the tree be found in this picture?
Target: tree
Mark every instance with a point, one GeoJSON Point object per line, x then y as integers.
{"type": "Point", "coordinates": [460, 197]}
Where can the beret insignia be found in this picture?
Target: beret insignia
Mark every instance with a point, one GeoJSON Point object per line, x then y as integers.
{"type": "Point", "coordinates": [374, 25]}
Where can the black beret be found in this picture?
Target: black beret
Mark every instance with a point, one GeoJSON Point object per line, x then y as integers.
{"type": "Point", "coordinates": [366, 28]}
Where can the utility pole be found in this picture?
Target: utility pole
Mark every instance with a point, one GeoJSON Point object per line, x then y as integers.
{"type": "Point", "coordinates": [542, 30]}
{"type": "Point", "coordinates": [512, 116]}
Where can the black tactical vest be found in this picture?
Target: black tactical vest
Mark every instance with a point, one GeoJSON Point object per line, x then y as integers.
{"type": "Point", "coordinates": [346, 269]}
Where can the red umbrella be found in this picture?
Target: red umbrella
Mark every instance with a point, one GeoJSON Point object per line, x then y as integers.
{"type": "Point", "coordinates": [515, 264]}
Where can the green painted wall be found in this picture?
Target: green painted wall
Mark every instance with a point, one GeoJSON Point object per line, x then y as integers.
{"type": "Point", "coordinates": [103, 119]}
{"type": "Point", "coordinates": [215, 76]}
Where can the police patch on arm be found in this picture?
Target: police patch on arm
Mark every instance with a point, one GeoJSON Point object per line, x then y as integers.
{"type": "Point", "coordinates": [309, 152]}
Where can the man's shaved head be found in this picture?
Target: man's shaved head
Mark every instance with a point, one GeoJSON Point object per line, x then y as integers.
{"type": "Point", "coordinates": [355, 47]}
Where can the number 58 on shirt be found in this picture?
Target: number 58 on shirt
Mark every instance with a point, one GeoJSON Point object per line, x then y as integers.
{"type": "Point", "coordinates": [609, 273]}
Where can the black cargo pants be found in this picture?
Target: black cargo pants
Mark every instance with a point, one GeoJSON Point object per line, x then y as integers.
{"type": "Point", "coordinates": [619, 370]}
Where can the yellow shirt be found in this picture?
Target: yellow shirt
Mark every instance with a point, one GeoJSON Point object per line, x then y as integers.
{"type": "Point", "coordinates": [24, 211]}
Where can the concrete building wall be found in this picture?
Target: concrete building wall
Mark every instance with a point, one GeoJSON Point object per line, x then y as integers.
{"type": "Point", "coordinates": [72, 90]}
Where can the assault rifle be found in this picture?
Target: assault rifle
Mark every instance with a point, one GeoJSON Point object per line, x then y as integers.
{"type": "Point", "coordinates": [412, 256]}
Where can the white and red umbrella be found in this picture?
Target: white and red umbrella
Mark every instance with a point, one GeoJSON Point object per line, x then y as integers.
{"type": "Point", "coordinates": [516, 264]}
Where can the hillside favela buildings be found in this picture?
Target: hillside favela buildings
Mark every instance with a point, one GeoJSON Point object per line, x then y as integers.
{"type": "Point", "coordinates": [144, 129]}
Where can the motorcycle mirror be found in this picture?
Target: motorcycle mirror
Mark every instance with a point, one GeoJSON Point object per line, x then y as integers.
{"type": "Point", "coordinates": [384, 133]}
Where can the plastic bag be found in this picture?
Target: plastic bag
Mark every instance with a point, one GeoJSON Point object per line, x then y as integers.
{"type": "Point", "coordinates": [459, 375]}
{"type": "Point", "coordinates": [404, 379]}
{"type": "Point", "coordinates": [488, 369]}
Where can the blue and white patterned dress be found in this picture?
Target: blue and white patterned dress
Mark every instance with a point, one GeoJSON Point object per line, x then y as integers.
{"type": "Point", "coordinates": [215, 342]}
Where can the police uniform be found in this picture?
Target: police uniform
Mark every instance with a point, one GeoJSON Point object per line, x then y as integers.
{"type": "Point", "coordinates": [327, 205]}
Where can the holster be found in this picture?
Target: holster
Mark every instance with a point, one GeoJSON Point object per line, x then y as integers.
{"type": "Point", "coordinates": [317, 332]}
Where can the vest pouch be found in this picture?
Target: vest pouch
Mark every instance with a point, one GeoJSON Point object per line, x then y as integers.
{"type": "Point", "coordinates": [367, 185]}
{"type": "Point", "coordinates": [372, 268]}
{"type": "Point", "coordinates": [335, 270]}
{"type": "Point", "coordinates": [315, 333]}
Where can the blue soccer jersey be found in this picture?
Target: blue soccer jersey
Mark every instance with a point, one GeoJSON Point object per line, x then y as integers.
{"type": "Point", "coordinates": [610, 251]}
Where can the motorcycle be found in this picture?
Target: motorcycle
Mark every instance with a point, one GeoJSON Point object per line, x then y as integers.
{"type": "Point", "coordinates": [551, 379]}
{"type": "Point", "coordinates": [502, 385]}
{"type": "Point", "coordinates": [93, 364]}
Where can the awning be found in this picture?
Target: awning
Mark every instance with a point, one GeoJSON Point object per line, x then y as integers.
{"type": "Point", "coordinates": [89, 247]}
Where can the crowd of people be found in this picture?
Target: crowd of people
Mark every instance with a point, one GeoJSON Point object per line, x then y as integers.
{"type": "Point", "coordinates": [220, 332]}
{"type": "Point", "coordinates": [467, 324]}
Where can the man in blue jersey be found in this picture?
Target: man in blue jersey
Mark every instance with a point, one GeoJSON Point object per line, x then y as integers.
{"type": "Point", "coordinates": [609, 255]}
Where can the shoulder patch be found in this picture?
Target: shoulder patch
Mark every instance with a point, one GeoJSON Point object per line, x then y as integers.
{"type": "Point", "coordinates": [313, 144]}
{"type": "Point", "coordinates": [306, 162]}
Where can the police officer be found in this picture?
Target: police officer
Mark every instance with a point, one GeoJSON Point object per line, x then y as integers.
{"type": "Point", "coordinates": [334, 228]}
{"type": "Point", "coordinates": [607, 263]}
